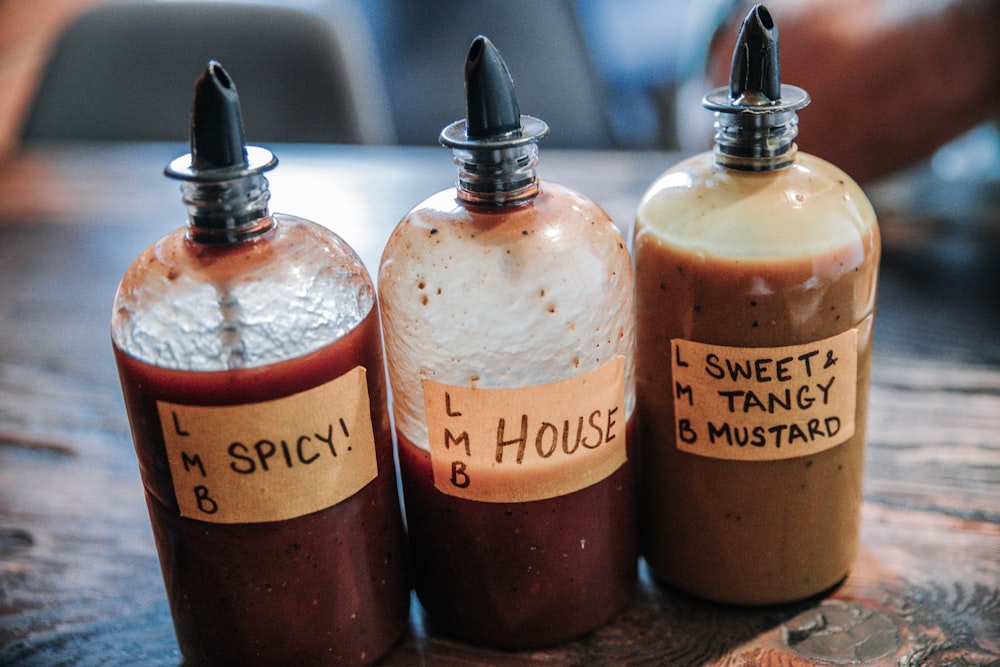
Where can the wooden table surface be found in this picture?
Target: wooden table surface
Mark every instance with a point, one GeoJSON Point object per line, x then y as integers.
{"type": "Point", "coordinates": [79, 577]}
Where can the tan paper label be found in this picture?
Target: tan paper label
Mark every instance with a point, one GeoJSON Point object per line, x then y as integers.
{"type": "Point", "coordinates": [764, 404]}
{"type": "Point", "coordinates": [272, 460]}
{"type": "Point", "coordinates": [530, 443]}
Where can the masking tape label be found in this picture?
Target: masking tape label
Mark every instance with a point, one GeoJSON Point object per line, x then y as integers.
{"type": "Point", "coordinates": [764, 404]}
{"type": "Point", "coordinates": [530, 443]}
{"type": "Point", "coordinates": [271, 460]}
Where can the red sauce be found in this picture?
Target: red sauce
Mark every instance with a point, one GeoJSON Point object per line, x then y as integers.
{"type": "Point", "coordinates": [325, 588]}
{"type": "Point", "coordinates": [520, 575]}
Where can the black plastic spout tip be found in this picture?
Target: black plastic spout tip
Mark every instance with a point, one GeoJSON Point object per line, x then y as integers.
{"type": "Point", "coordinates": [218, 147]}
{"type": "Point", "coordinates": [493, 118]}
{"type": "Point", "coordinates": [491, 108]}
{"type": "Point", "coordinates": [755, 77]}
{"type": "Point", "coordinates": [217, 138]}
{"type": "Point", "coordinates": [755, 87]}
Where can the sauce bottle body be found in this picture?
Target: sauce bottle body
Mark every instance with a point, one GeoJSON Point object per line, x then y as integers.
{"type": "Point", "coordinates": [252, 326]}
{"type": "Point", "coordinates": [485, 300]}
{"type": "Point", "coordinates": [753, 440]}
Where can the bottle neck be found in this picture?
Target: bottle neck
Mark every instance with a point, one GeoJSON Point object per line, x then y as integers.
{"type": "Point", "coordinates": [759, 163]}
{"type": "Point", "coordinates": [752, 141]}
{"type": "Point", "coordinates": [227, 212]}
{"type": "Point", "coordinates": [494, 177]}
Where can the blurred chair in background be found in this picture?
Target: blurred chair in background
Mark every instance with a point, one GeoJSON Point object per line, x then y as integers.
{"type": "Point", "coordinates": [644, 51]}
{"type": "Point", "coordinates": [126, 72]}
{"type": "Point", "coordinates": [423, 48]}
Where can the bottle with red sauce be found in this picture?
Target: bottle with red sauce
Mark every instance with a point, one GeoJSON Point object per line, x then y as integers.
{"type": "Point", "coordinates": [508, 316]}
{"type": "Point", "coordinates": [248, 348]}
{"type": "Point", "coordinates": [756, 279]}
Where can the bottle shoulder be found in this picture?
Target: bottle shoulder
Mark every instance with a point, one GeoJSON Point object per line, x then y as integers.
{"type": "Point", "coordinates": [559, 221]}
{"type": "Point", "coordinates": [272, 255]}
{"type": "Point", "coordinates": [286, 292]}
{"type": "Point", "coordinates": [809, 206]}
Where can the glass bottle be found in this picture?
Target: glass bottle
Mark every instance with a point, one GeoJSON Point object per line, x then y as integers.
{"type": "Point", "coordinates": [508, 316]}
{"type": "Point", "coordinates": [756, 270]}
{"type": "Point", "coordinates": [249, 352]}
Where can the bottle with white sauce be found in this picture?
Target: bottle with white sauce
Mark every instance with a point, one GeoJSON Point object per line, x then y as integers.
{"type": "Point", "coordinates": [508, 316]}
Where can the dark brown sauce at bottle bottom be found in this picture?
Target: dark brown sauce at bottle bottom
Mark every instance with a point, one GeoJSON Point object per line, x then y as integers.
{"type": "Point", "coordinates": [520, 575]}
{"type": "Point", "coordinates": [327, 588]}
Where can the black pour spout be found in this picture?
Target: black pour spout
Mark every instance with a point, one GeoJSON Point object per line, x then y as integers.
{"type": "Point", "coordinates": [224, 188]}
{"type": "Point", "coordinates": [756, 114]}
{"type": "Point", "coordinates": [491, 107]}
{"type": "Point", "coordinates": [755, 77]}
{"type": "Point", "coordinates": [218, 147]}
{"type": "Point", "coordinates": [217, 138]}
{"type": "Point", "coordinates": [493, 118]}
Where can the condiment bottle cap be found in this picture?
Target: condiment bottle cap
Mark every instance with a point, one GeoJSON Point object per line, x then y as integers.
{"type": "Point", "coordinates": [756, 112]}
{"type": "Point", "coordinates": [218, 147]}
{"type": "Point", "coordinates": [492, 118]}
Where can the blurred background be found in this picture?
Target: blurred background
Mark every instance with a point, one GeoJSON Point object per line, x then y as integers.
{"type": "Point", "coordinates": [896, 84]}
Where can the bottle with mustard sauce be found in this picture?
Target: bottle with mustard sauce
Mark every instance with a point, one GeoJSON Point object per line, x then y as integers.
{"type": "Point", "coordinates": [250, 359]}
{"type": "Point", "coordinates": [756, 272]}
{"type": "Point", "coordinates": [508, 315]}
